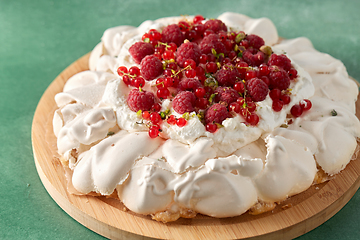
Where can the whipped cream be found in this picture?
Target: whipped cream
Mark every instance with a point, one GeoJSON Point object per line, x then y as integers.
{"type": "Point", "coordinates": [219, 174]}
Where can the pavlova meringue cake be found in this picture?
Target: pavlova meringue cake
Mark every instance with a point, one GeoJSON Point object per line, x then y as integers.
{"type": "Point", "coordinates": [186, 115]}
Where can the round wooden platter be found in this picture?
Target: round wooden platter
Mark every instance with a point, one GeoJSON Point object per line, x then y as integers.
{"type": "Point", "coordinates": [106, 216]}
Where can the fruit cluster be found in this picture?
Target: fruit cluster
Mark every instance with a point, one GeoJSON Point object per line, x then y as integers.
{"type": "Point", "coordinates": [201, 66]}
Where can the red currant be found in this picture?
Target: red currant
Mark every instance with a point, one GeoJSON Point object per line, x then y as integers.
{"type": "Point", "coordinates": [264, 70]}
{"type": "Point", "coordinates": [203, 58]}
{"type": "Point", "coordinates": [235, 106]}
{"type": "Point", "coordinates": [211, 127]}
{"type": "Point", "coordinates": [155, 118]}
{"type": "Point", "coordinates": [250, 74]}
{"type": "Point", "coordinates": [163, 93]}
{"type": "Point", "coordinates": [305, 104]}
{"type": "Point", "coordinates": [134, 71]}
{"type": "Point", "coordinates": [145, 115]}
{"type": "Point", "coordinates": [239, 87]}
{"type": "Point", "coordinates": [198, 19]}
{"type": "Point", "coordinates": [171, 120]}
{"type": "Point", "coordinates": [122, 70]}
{"type": "Point", "coordinates": [277, 105]}
{"type": "Point", "coordinates": [202, 103]}
{"type": "Point", "coordinates": [181, 122]}
{"type": "Point", "coordinates": [190, 73]}
{"type": "Point", "coordinates": [138, 82]}
{"type": "Point", "coordinates": [154, 131]}
{"type": "Point", "coordinates": [285, 98]}
{"type": "Point", "coordinates": [200, 92]}
{"type": "Point", "coordinates": [167, 55]}
{"type": "Point", "coordinates": [253, 119]}
{"type": "Point", "coordinates": [275, 94]}
{"type": "Point", "coordinates": [296, 110]}
{"type": "Point", "coordinates": [211, 67]}
{"type": "Point", "coordinates": [292, 73]}
{"type": "Point", "coordinates": [190, 62]}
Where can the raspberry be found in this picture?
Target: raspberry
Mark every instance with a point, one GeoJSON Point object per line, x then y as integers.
{"type": "Point", "coordinates": [253, 57]}
{"type": "Point", "coordinates": [279, 79]}
{"type": "Point", "coordinates": [139, 50]}
{"type": "Point", "coordinates": [215, 25]}
{"type": "Point", "coordinates": [184, 102]}
{"type": "Point", "coordinates": [281, 61]}
{"type": "Point", "coordinates": [151, 67]}
{"type": "Point", "coordinates": [172, 33]}
{"type": "Point", "coordinates": [226, 94]}
{"type": "Point", "coordinates": [210, 42]}
{"type": "Point", "coordinates": [257, 89]}
{"type": "Point", "coordinates": [227, 76]}
{"type": "Point", "coordinates": [216, 113]}
{"type": "Point", "coordinates": [140, 100]}
{"type": "Point", "coordinates": [189, 84]}
{"type": "Point", "coordinates": [255, 41]}
{"type": "Point", "coordinates": [187, 51]}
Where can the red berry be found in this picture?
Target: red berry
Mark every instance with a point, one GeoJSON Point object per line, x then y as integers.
{"type": "Point", "coordinates": [277, 105]}
{"type": "Point", "coordinates": [215, 25]}
{"type": "Point", "coordinates": [211, 67]}
{"type": "Point", "coordinates": [235, 106]}
{"type": "Point", "coordinates": [189, 84]}
{"type": "Point", "coordinates": [184, 102]}
{"type": "Point", "coordinates": [250, 74]}
{"type": "Point", "coordinates": [210, 42]}
{"type": "Point", "coordinates": [202, 103]}
{"type": "Point", "coordinates": [285, 98]}
{"type": "Point", "coordinates": [239, 87]}
{"type": "Point", "coordinates": [181, 122]}
{"type": "Point", "coordinates": [171, 120]}
{"type": "Point", "coordinates": [226, 94]}
{"type": "Point", "coordinates": [126, 79]}
{"type": "Point", "coordinates": [140, 100]}
{"type": "Point", "coordinates": [145, 115]}
{"type": "Point", "coordinates": [167, 55]}
{"type": "Point", "coordinates": [198, 19]}
{"type": "Point", "coordinates": [275, 94]}
{"type": "Point", "coordinates": [216, 113]}
{"type": "Point", "coordinates": [156, 107]}
{"type": "Point", "coordinates": [122, 70]}
{"type": "Point", "coordinates": [187, 51]}
{"type": "Point", "coordinates": [155, 118]}
{"type": "Point", "coordinates": [251, 106]}
{"type": "Point", "coordinates": [163, 93]}
{"type": "Point", "coordinates": [154, 131]}
{"type": "Point", "coordinates": [211, 127]}
{"type": "Point", "coordinates": [264, 70]}
{"type": "Point", "coordinates": [279, 79]}
{"type": "Point", "coordinates": [255, 41]}
{"type": "Point", "coordinates": [253, 119]}
{"type": "Point", "coordinates": [138, 82]}
{"type": "Point", "coordinates": [242, 67]}
{"type": "Point", "coordinates": [190, 73]}
{"type": "Point", "coordinates": [257, 89]}
{"type": "Point", "coordinates": [151, 67]}
{"type": "Point", "coordinates": [296, 110]}
{"type": "Point", "coordinates": [172, 47]}
{"type": "Point", "coordinates": [134, 71]}
{"type": "Point", "coordinates": [203, 58]}
{"type": "Point", "coordinates": [292, 73]}
{"type": "Point", "coordinates": [172, 33]}
{"type": "Point", "coordinates": [281, 61]}
{"type": "Point", "coordinates": [190, 62]}
{"type": "Point", "coordinates": [227, 76]}
{"type": "Point", "coordinates": [200, 92]}
{"type": "Point", "coordinates": [305, 104]}
{"type": "Point", "coordinates": [139, 50]}
{"type": "Point", "coordinates": [184, 26]}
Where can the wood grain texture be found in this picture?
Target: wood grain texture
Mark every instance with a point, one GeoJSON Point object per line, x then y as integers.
{"type": "Point", "coordinates": [106, 216]}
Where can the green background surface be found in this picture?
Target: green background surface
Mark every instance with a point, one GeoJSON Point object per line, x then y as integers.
{"type": "Point", "coordinates": [38, 39]}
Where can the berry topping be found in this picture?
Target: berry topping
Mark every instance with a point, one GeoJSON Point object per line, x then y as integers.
{"type": "Point", "coordinates": [215, 25]}
{"type": "Point", "coordinates": [172, 33]}
{"type": "Point", "coordinates": [139, 50]}
{"type": "Point", "coordinates": [255, 41]}
{"type": "Point", "coordinates": [227, 76]}
{"type": "Point", "coordinates": [281, 61]}
{"type": "Point", "coordinates": [216, 113]}
{"type": "Point", "coordinates": [188, 50]}
{"type": "Point", "coordinates": [184, 102]}
{"type": "Point", "coordinates": [140, 100]}
{"type": "Point", "coordinates": [151, 67]}
{"type": "Point", "coordinates": [189, 84]}
{"type": "Point", "coordinates": [257, 89]}
{"type": "Point", "coordinates": [200, 66]}
{"type": "Point", "coordinates": [210, 42]}
{"type": "Point", "coordinates": [226, 94]}
{"type": "Point", "coordinates": [279, 79]}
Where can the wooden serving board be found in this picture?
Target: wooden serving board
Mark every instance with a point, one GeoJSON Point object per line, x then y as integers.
{"type": "Point", "coordinates": [106, 216]}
